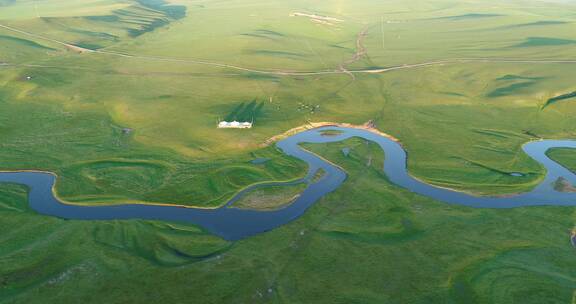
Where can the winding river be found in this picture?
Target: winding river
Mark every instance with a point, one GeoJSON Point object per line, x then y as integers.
{"type": "Point", "coordinates": [234, 224]}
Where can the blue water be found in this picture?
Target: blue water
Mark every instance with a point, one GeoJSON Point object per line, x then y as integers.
{"type": "Point", "coordinates": [233, 224]}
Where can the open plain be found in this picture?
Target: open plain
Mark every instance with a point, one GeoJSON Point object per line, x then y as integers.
{"type": "Point", "coordinates": [121, 100]}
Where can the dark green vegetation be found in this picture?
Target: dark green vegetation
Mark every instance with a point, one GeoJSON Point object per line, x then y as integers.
{"type": "Point", "coordinates": [564, 156]}
{"type": "Point", "coordinates": [546, 41]}
{"type": "Point", "coordinates": [536, 24]}
{"type": "Point", "coordinates": [167, 14]}
{"type": "Point", "coordinates": [559, 98]}
{"type": "Point", "coordinates": [246, 111]}
{"type": "Point", "coordinates": [142, 128]}
{"type": "Point", "coordinates": [469, 16]}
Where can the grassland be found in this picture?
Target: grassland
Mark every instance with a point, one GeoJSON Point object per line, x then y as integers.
{"type": "Point", "coordinates": [174, 106]}
{"type": "Point", "coordinates": [270, 198]}
{"type": "Point", "coordinates": [565, 157]}
{"type": "Point", "coordinates": [134, 120]}
{"type": "Point", "coordinates": [368, 242]}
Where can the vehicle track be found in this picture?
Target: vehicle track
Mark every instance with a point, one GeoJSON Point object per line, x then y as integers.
{"type": "Point", "coordinates": [277, 72]}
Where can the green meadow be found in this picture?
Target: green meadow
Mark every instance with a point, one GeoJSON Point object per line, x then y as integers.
{"type": "Point", "coordinates": [121, 99]}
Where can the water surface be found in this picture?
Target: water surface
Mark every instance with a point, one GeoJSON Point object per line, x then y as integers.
{"type": "Point", "coordinates": [233, 224]}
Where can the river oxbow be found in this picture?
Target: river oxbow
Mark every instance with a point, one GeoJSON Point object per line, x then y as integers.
{"type": "Point", "coordinates": [233, 224]}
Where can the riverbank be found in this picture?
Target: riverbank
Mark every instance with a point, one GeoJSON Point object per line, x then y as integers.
{"type": "Point", "coordinates": [367, 126]}
{"type": "Point", "coordinates": [226, 202]}
{"type": "Point", "coordinates": [235, 224]}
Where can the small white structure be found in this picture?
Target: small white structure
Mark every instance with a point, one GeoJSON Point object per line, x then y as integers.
{"type": "Point", "coordinates": [234, 125]}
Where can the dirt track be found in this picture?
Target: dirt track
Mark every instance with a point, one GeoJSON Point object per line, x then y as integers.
{"type": "Point", "coordinates": [360, 52]}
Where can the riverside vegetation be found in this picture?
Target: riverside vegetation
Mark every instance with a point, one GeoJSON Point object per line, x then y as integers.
{"type": "Point", "coordinates": [121, 100]}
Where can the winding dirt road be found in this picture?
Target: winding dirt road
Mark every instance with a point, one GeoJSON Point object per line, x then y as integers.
{"type": "Point", "coordinates": [360, 52]}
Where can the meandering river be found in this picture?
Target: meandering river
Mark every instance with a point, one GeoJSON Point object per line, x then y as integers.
{"type": "Point", "coordinates": [233, 224]}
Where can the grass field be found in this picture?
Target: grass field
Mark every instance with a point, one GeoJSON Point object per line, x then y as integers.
{"type": "Point", "coordinates": [369, 242]}
{"type": "Point", "coordinates": [270, 198]}
{"type": "Point", "coordinates": [121, 100]}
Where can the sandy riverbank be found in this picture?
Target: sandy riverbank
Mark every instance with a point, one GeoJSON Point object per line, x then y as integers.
{"type": "Point", "coordinates": [368, 126]}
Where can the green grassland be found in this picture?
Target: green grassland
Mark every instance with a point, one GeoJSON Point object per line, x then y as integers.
{"type": "Point", "coordinates": [368, 242]}
{"type": "Point", "coordinates": [564, 156]}
{"type": "Point", "coordinates": [136, 121]}
{"type": "Point", "coordinates": [174, 105]}
{"type": "Point", "coordinates": [270, 198]}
